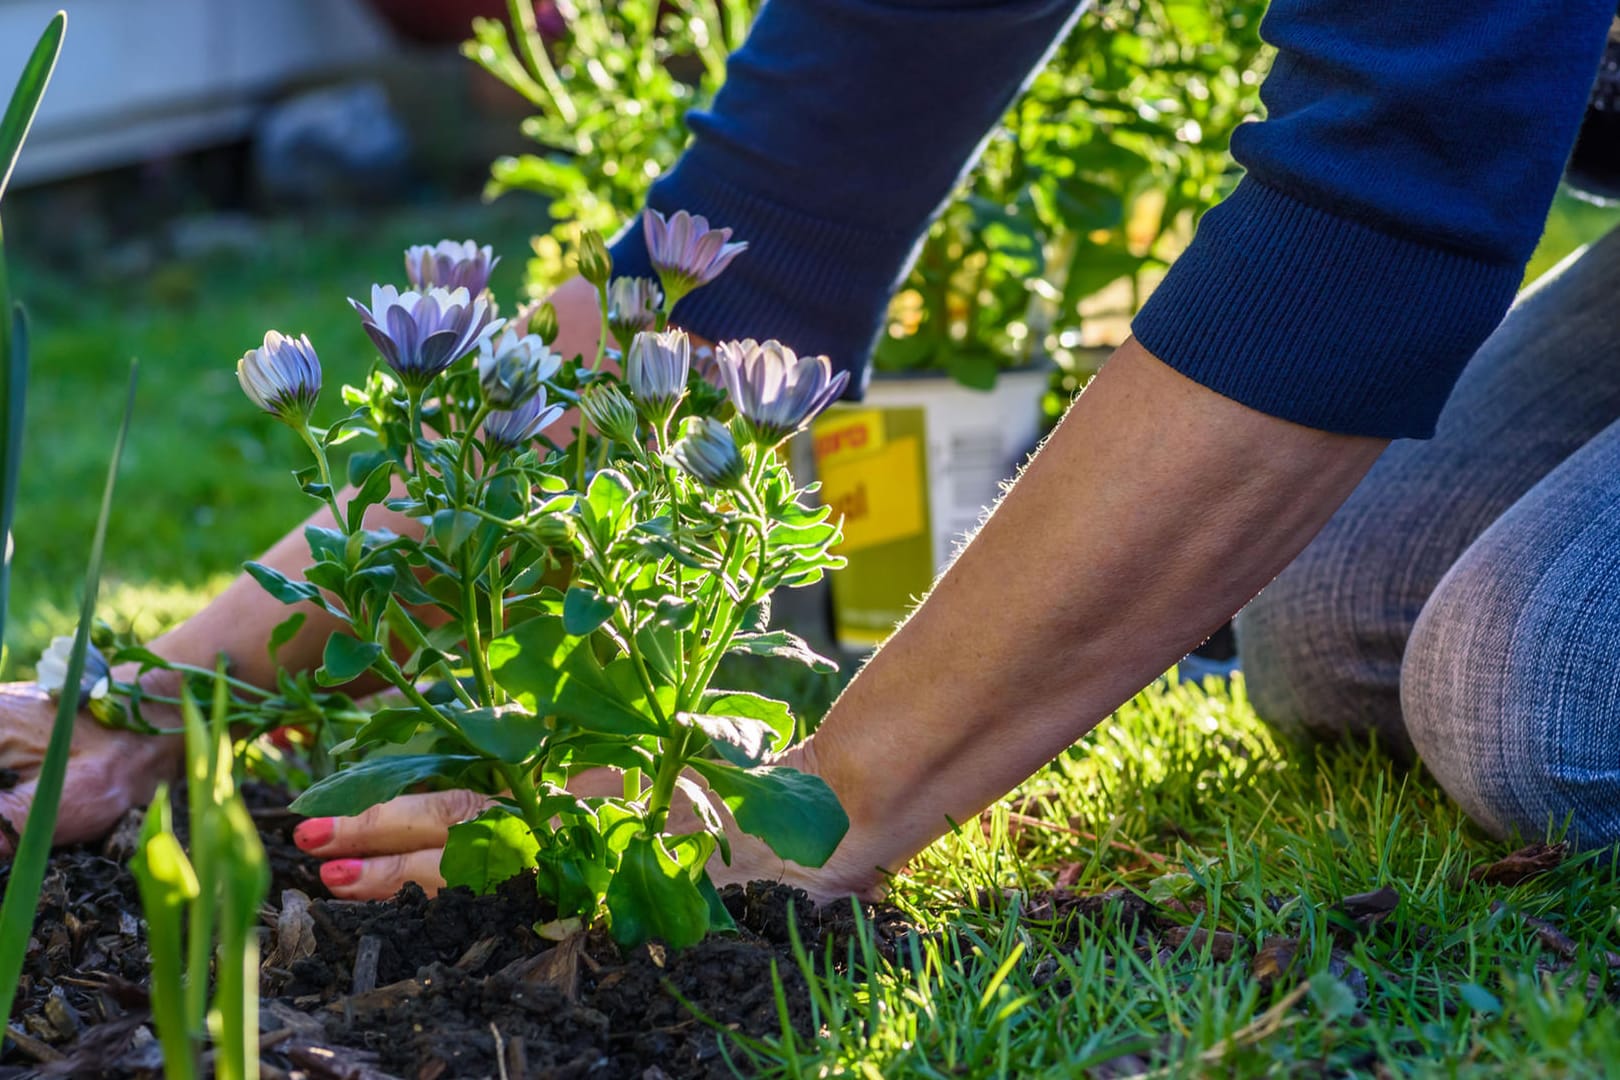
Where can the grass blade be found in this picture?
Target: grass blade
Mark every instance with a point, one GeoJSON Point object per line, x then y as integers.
{"type": "Point", "coordinates": [13, 398]}
{"type": "Point", "coordinates": [36, 74]}
{"type": "Point", "coordinates": [28, 867]}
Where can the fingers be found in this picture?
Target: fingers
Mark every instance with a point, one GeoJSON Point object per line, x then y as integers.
{"type": "Point", "coordinates": [371, 856]}
{"type": "Point", "coordinates": [408, 823]}
{"type": "Point", "coordinates": [380, 877]}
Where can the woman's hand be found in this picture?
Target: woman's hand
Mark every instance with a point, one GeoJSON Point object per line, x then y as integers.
{"type": "Point", "coordinates": [373, 855]}
{"type": "Point", "coordinates": [108, 773]}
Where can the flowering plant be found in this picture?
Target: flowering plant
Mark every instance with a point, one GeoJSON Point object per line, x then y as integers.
{"type": "Point", "coordinates": [566, 607]}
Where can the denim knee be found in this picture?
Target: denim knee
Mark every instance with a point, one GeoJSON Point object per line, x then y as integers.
{"type": "Point", "coordinates": [1510, 687]}
{"type": "Point", "coordinates": [1321, 649]}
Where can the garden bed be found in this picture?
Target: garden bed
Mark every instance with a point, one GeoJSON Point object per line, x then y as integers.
{"type": "Point", "coordinates": [455, 986]}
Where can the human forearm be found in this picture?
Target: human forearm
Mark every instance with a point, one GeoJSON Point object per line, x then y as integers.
{"type": "Point", "coordinates": [1155, 511]}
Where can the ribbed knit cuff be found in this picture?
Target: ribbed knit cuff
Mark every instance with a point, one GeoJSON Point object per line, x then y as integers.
{"type": "Point", "coordinates": [819, 287]}
{"type": "Point", "coordinates": [1311, 317]}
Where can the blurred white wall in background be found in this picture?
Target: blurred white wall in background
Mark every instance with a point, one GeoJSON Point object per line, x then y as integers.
{"type": "Point", "coordinates": [146, 78]}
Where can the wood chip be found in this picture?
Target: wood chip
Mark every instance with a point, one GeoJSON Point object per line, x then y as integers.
{"type": "Point", "coordinates": [477, 955]}
{"type": "Point", "coordinates": [1221, 943]}
{"type": "Point", "coordinates": [1374, 904]}
{"type": "Point", "coordinates": [295, 931]}
{"type": "Point", "coordinates": [557, 967]}
{"type": "Point", "coordinates": [279, 1016]}
{"type": "Point", "coordinates": [366, 954]}
{"type": "Point", "coordinates": [383, 997]}
{"type": "Point", "coordinates": [1520, 866]}
{"type": "Point", "coordinates": [1274, 958]}
{"type": "Point", "coordinates": [336, 1062]}
{"type": "Point", "coordinates": [34, 1048]}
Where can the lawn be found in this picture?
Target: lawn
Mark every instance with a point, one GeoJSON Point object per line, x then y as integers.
{"type": "Point", "coordinates": [206, 480]}
{"type": "Point", "coordinates": [1183, 798]}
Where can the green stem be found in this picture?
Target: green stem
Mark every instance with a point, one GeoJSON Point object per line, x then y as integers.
{"type": "Point", "coordinates": [533, 49]}
{"type": "Point", "coordinates": [467, 437]}
{"type": "Point", "coordinates": [473, 632]}
{"type": "Point", "coordinates": [390, 671]}
{"type": "Point", "coordinates": [319, 451]}
{"type": "Point", "coordinates": [523, 793]}
{"type": "Point", "coordinates": [663, 789]}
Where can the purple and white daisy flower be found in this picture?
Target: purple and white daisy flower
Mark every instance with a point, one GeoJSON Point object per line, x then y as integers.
{"type": "Point", "coordinates": [632, 306]}
{"type": "Point", "coordinates": [775, 392]}
{"type": "Point", "coordinates": [685, 251]}
{"type": "Point", "coordinates": [449, 265]}
{"type": "Point", "coordinates": [511, 429]}
{"type": "Point", "coordinates": [708, 452]}
{"type": "Point", "coordinates": [656, 372]}
{"type": "Point", "coordinates": [421, 334]}
{"type": "Point", "coordinates": [512, 367]}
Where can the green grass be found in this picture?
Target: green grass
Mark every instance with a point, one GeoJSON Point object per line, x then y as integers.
{"type": "Point", "coordinates": [206, 482]}
{"type": "Point", "coordinates": [1265, 843]}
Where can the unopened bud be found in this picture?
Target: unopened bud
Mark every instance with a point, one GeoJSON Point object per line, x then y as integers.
{"type": "Point", "coordinates": [544, 323]}
{"type": "Point", "coordinates": [595, 264]}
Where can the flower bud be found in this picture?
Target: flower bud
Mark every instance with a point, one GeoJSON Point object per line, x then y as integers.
{"type": "Point", "coordinates": [544, 323]}
{"type": "Point", "coordinates": [282, 377]}
{"type": "Point", "coordinates": [708, 452]}
{"type": "Point", "coordinates": [553, 531]}
{"type": "Point", "coordinates": [595, 264]}
{"type": "Point", "coordinates": [609, 411]}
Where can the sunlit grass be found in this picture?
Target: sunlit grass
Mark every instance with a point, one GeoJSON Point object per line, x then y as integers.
{"type": "Point", "coordinates": [1255, 840]}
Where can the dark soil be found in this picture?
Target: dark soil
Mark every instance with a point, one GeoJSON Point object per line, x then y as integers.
{"type": "Point", "coordinates": [456, 986]}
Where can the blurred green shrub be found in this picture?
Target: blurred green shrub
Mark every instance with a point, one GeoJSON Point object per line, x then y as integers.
{"type": "Point", "coordinates": [612, 104]}
{"type": "Point", "coordinates": [1093, 181]}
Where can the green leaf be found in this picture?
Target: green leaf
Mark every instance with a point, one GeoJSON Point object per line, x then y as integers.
{"type": "Point", "coordinates": [13, 406]}
{"type": "Point", "coordinates": [346, 659]}
{"type": "Point", "coordinates": [167, 882]}
{"type": "Point", "coordinates": [551, 672]}
{"type": "Point", "coordinates": [795, 813]}
{"type": "Point", "coordinates": [1332, 997]}
{"type": "Point", "coordinates": [783, 645]}
{"type": "Point", "coordinates": [373, 491]}
{"type": "Point", "coordinates": [653, 896]}
{"type": "Point", "coordinates": [34, 848]}
{"type": "Point", "coordinates": [285, 631]}
{"type": "Point", "coordinates": [25, 99]}
{"type": "Point", "coordinates": [1476, 997]}
{"type": "Point", "coordinates": [492, 848]}
{"type": "Point", "coordinates": [376, 780]}
{"type": "Point", "coordinates": [451, 528]}
{"type": "Point", "coordinates": [281, 586]}
{"type": "Point", "coordinates": [740, 740]}
{"type": "Point", "coordinates": [508, 735]}
{"type": "Point", "coordinates": [720, 920]}
{"type": "Point", "coordinates": [584, 610]}
{"type": "Point", "coordinates": [775, 715]}
{"type": "Point", "coordinates": [386, 726]}
{"type": "Point", "coordinates": [607, 505]}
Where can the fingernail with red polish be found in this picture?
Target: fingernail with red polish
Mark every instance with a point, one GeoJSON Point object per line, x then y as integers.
{"type": "Point", "coordinates": [340, 872]}
{"type": "Point", "coordinates": [314, 833]}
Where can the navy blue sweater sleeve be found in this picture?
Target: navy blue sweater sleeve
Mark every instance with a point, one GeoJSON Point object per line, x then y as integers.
{"type": "Point", "coordinates": [1391, 200]}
